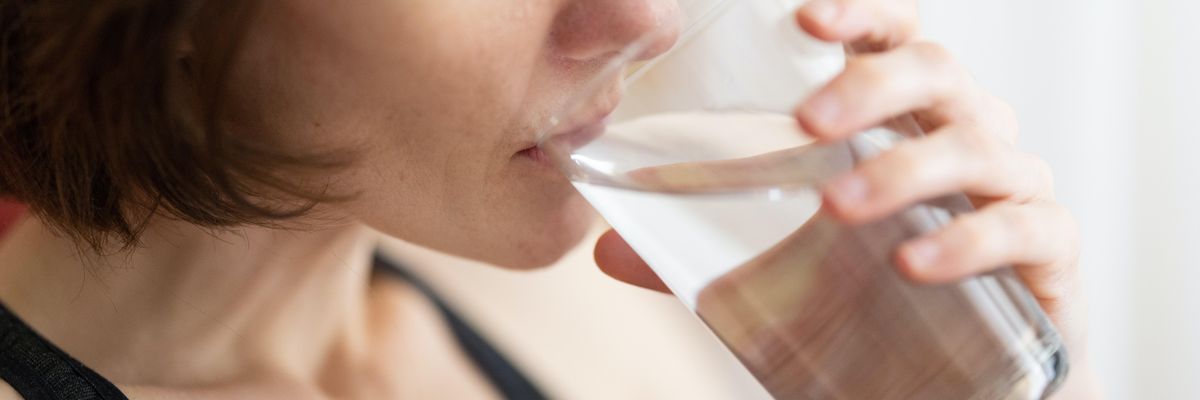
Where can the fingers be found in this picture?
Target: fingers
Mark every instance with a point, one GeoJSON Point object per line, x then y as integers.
{"type": "Point", "coordinates": [957, 158]}
{"type": "Point", "coordinates": [619, 261]}
{"type": "Point", "coordinates": [875, 88]}
{"type": "Point", "coordinates": [1039, 239]}
{"type": "Point", "coordinates": [867, 25]}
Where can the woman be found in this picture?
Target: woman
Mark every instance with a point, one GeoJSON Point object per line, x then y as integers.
{"type": "Point", "coordinates": [238, 157]}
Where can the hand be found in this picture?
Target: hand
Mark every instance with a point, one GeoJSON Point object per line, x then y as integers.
{"type": "Point", "coordinates": [970, 148]}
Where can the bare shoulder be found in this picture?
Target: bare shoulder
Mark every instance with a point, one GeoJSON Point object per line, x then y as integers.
{"type": "Point", "coordinates": [7, 392]}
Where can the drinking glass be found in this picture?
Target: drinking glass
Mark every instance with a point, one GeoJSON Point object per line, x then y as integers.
{"type": "Point", "coordinates": [694, 158]}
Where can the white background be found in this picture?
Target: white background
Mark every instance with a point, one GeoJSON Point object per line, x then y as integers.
{"type": "Point", "coordinates": [1104, 91]}
{"type": "Point", "coordinates": [1102, 88]}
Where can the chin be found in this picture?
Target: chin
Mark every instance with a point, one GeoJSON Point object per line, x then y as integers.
{"type": "Point", "coordinates": [542, 244]}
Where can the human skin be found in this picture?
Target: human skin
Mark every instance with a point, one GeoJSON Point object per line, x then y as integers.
{"type": "Point", "coordinates": [441, 101]}
{"type": "Point", "coordinates": [970, 148]}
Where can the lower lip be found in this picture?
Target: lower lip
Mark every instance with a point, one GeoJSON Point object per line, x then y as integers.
{"type": "Point", "coordinates": [538, 156]}
{"type": "Point", "coordinates": [573, 139]}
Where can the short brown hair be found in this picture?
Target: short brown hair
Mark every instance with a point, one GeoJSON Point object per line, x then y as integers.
{"type": "Point", "coordinates": [105, 121]}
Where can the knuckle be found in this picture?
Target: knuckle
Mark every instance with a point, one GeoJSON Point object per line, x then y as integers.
{"type": "Point", "coordinates": [974, 235]}
{"type": "Point", "coordinates": [949, 77]}
{"type": "Point", "coordinates": [1021, 224]}
{"type": "Point", "coordinates": [912, 10]}
{"type": "Point", "coordinates": [1006, 116]}
{"type": "Point", "coordinates": [999, 116]}
{"type": "Point", "coordinates": [909, 24]}
{"type": "Point", "coordinates": [982, 154]}
{"type": "Point", "coordinates": [1044, 176]}
{"type": "Point", "coordinates": [902, 20]}
{"type": "Point", "coordinates": [1031, 178]}
{"type": "Point", "coordinates": [867, 72]}
{"type": "Point", "coordinates": [906, 24]}
{"type": "Point", "coordinates": [935, 55]}
{"type": "Point", "coordinates": [1068, 218]}
{"type": "Point", "coordinates": [899, 168]}
{"type": "Point", "coordinates": [1069, 231]}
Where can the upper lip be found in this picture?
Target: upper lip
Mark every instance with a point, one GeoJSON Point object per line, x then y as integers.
{"type": "Point", "coordinates": [595, 113]}
{"type": "Point", "coordinates": [573, 126]}
{"type": "Point", "coordinates": [593, 117]}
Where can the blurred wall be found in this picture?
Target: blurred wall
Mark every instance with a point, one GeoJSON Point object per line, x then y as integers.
{"type": "Point", "coordinates": [1103, 89]}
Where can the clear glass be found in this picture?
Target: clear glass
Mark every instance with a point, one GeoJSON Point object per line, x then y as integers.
{"type": "Point", "coordinates": [703, 171]}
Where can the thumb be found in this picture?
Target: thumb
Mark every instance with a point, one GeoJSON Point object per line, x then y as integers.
{"type": "Point", "coordinates": [619, 261]}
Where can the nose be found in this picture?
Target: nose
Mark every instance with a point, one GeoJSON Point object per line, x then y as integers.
{"type": "Point", "coordinates": [589, 30]}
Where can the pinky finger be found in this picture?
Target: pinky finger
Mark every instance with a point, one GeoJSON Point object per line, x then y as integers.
{"type": "Point", "coordinates": [1038, 238]}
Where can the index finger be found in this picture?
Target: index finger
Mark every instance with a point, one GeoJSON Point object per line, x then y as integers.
{"type": "Point", "coordinates": [864, 25]}
{"type": "Point", "coordinates": [619, 261]}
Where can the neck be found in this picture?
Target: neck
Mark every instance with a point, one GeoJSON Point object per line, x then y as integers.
{"type": "Point", "coordinates": [286, 300]}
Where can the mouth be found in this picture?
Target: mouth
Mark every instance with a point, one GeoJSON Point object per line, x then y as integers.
{"type": "Point", "coordinates": [583, 123]}
{"type": "Point", "coordinates": [573, 136]}
{"type": "Point", "coordinates": [536, 154]}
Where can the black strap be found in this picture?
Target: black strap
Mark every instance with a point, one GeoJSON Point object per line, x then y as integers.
{"type": "Point", "coordinates": [504, 376]}
{"type": "Point", "coordinates": [39, 370]}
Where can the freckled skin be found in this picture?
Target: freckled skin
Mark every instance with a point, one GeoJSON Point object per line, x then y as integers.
{"type": "Point", "coordinates": [438, 98]}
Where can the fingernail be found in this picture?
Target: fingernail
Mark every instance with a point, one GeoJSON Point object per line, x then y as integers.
{"type": "Point", "coordinates": [825, 11]}
{"type": "Point", "coordinates": [921, 254]}
{"type": "Point", "coordinates": [848, 191]}
{"type": "Point", "coordinates": [823, 109]}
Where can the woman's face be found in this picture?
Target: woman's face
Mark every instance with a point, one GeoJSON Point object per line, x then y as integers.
{"type": "Point", "coordinates": [442, 99]}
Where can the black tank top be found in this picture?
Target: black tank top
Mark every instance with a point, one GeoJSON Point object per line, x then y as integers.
{"type": "Point", "coordinates": [37, 369]}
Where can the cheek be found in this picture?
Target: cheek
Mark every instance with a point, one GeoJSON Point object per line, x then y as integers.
{"type": "Point", "coordinates": [438, 120]}
{"type": "Point", "coordinates": [384, 74]}
{"type": "Point", "coordinates": [511, 218]}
